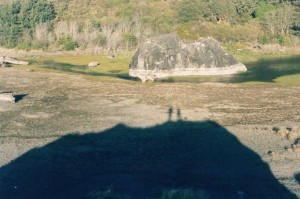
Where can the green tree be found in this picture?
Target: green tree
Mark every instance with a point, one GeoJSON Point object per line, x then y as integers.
{"type": "Point", "coordinates": [263, 8]}
{"type": "Point", "coordinates": [22, 16]}
{"type": "Point", "coordinates": [9, 25]}
{"type": "Point", "coordinates": [245, 10]}
{"type": "Point", "coordinates": [191, 10]}
{"type": "Point", "coordinates": [221, 10]}
{"type": "Point", "coordinates": [35, 12]}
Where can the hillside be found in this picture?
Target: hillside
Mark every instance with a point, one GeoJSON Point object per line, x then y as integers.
{"type": "Point", "coordinates": [123, 24]}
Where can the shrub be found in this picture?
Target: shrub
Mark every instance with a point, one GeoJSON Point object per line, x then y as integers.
{"type": "Point", "coordinates": [67, 43]}
{"type": "Point", "coordinates": [190, 10]}
{"type": "Point", "coordinates": [100, 40]}
{"type": "Point", "coordinates": [186, 31]}
{"type": "Point", "coordinates": [129, 40]}
{"type": "Point", "coordinates": [71, 45]}
{"type": "Point", "coordinates": [25, 45]}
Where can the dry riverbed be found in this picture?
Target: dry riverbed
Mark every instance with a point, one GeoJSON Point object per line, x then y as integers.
{"type": "Point", "coordinates": [52, 105]}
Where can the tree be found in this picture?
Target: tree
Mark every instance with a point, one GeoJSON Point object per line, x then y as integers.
{"type": "Point", "coordinates": [191, 10]}
{"type": "Point", "coordinates": [280, 20]}
{"type": "Point", "coordinates": [245, 9]}
{"type": "Point", "coordinates": [22, 17]}
{"type": "Point", "coordinates": [221, 10]}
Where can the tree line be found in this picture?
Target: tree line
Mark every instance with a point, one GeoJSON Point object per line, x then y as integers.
{"type": "Point", "coordinates": [115, 24]}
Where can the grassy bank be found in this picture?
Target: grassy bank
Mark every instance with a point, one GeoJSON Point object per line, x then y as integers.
{"type": "Point", "coordinates": [109, 69]}
{"type": "Point", "coordinates": [273, 66]}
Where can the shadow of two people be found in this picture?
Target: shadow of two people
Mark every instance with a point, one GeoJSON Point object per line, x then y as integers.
{"type": "Point", "coordinates": [141, 163]}
{"type": "Point", "coordinates": [170, 113]}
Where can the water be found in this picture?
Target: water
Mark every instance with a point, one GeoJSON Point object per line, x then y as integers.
{"type": "Point", "coordinates": [263, 70]}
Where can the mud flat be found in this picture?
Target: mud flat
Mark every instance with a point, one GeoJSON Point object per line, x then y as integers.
{"type": "Point", "coordinates": [61, 119]}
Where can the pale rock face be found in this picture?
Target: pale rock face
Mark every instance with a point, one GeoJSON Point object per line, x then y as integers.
{"type": "Point", "coordinates": [93, 64]}
{"type": "Point", "coordinates": [168, 55]}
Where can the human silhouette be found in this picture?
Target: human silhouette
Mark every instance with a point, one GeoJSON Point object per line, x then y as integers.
{"type": "Point", "coordinates": [170, 112]}
{"type": "Point", "coordinates": [178, 114]}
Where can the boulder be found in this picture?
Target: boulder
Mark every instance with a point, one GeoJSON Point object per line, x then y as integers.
{"type": "Point", "coordinates": [7, 60]}
{"type": "Point", "coordinates": [93, 64]}
{"type": "Point", "coordinates": [7, 96]}
{"type": "Point", "coordinates": [168, 55]}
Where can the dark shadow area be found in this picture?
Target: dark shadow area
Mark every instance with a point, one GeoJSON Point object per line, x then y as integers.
{"type": "Point", "coordinates": [297, 177]}
{"type": "Point", "coordinates": [80, 69]}
{"type": "Point", "coordinates": [6, 65]}
{"type": "Point", "coordinates": [19, 97]}
{"type": "Point", "coordinates": [263, 70]}
{"type": "Point", "coordinates": [141, 162]}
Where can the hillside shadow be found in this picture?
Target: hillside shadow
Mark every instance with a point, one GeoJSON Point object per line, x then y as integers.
{"type": "Point", "coordinates": [141, 162]}
{"type": "Point", "coordinates": [80, 69]}
{"type": "Point", "coordinates": [263, 70]}
{"type": "Point", "coordinates": [269, 69]}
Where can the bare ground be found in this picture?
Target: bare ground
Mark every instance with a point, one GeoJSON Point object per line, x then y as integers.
{"type": "Point", "coordinates": [53, 105]}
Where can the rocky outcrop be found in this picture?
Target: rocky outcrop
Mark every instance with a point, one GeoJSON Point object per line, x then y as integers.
{"type": "Point", "coordinates": [168, 55]}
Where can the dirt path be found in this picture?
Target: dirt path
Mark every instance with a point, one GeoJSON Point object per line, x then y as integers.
{"type": "Point", "coordinates": [54, 105]}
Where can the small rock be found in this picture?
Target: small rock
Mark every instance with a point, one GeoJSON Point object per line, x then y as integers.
{"type": "Point", "coordinates": [7, 96]}
{"type": "Point", "coordinates": [292, 136]}
{"type": "Point", "coordinates": [112, 57]}
{"type": "Point", "coordinates": [271, 153]}
{"type": "Point", "coordinates": [93, 64]}
{"type": "Point", "coordinates": [283, 132]}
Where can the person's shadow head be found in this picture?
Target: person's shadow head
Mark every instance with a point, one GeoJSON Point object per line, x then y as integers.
{"type": "Point", "coordinates": [141, 163]}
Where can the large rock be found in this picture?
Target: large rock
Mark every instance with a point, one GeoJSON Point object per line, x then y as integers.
{"type": "Point", "coordinates": [168, 55]}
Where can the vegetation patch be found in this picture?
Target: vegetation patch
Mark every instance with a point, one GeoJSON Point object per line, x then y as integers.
{"type": "Point", "coordinates": [289, 80]}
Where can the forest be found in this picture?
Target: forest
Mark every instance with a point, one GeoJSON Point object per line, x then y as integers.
{"type": "Point", "coordinates": [122, 24]}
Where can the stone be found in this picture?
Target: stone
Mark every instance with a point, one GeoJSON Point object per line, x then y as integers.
{"type": "Point", "coordinates": [168, 55]}
{"type": "Point", "coordinates": [8, 97]}
{"type": "Point", "coordinates": [93, 64]}
{"type": "Point", "coordinates": [8, 60]}
{"type": "Point", "coordinates": [292, 136]}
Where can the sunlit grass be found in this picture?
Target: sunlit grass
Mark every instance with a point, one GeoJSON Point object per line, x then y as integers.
{"type": "Point", "coordinates": [120, 63]}
{"type": "Point", "coordinates": [289, 80]}
{"type": "Point", "coordinates": [109, 69]}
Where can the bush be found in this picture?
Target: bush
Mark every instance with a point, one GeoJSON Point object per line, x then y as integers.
{"type": "Point", "coordinates": [129, 40]}
{"type": "Point", "coordinates": [190, 10]}
{"type": "Point", "coordinates": [186, 31]}
{"type": "Point", "coordinates": [71, 45]}
{"type": "Point", "coordinates": [100, 40]}
{"type": "Point", "coordinates": [67, 43]}
{"type": "Point", "coordinates": [25, 45]}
